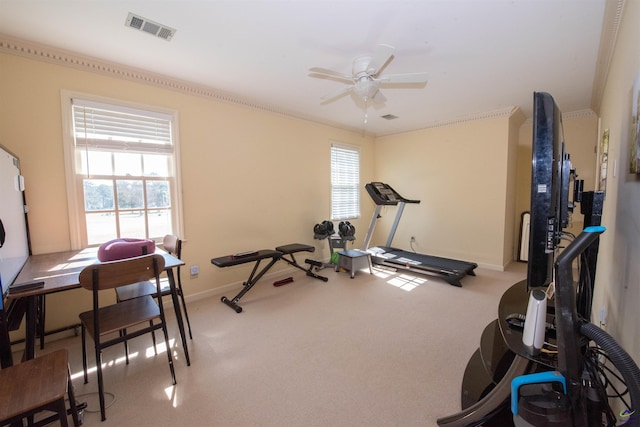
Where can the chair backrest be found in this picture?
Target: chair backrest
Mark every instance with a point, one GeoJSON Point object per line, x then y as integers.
{"type": "Point", "coordinates": [172, 244]}
{"type": "Point", "coordinates": [112, 274]}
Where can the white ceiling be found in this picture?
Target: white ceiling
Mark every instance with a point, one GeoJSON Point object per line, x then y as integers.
{"type": "Point", "coordinates": [480, 55]}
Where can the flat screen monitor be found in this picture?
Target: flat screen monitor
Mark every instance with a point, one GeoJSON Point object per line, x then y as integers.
{"type": "Point", "coordinates": [551, 173]}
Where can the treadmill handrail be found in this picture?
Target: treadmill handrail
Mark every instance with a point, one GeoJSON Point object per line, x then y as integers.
{"type": "Point", "coordinates": [391, 198]}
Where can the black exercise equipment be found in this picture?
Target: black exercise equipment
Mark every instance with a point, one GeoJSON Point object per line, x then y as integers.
{"type": "Point", "coordinates": [323, 230]}
{"type": "Point", "coordinates": [450, 270]}
{"type": "Point", "coordinates": [340, 241]}
{"type": "Point", "coordinates": [280, 253]}
{"type": "Point", "coordinates": [346, 229]}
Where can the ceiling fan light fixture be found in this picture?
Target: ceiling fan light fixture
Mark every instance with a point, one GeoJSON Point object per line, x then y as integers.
{"type": "Point", "coordinates": [366, 78]}
{"type": "Point", "coordinates": [366, 88]}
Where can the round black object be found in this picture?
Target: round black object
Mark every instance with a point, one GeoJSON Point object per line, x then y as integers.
{"type": "Point", "coordinates": [324, 229]}
{"type": "Point", "coordinates": [346, 229]}
{"type": "Point", "coordinates": [328, 226]}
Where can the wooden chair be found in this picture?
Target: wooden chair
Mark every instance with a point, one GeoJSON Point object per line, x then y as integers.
{"type": "Point", "coordinates": [173, 245]}
{"type": "Point", "coordinates": [108, 325]}
{"type": "Point", "coordinates": [36, 385]}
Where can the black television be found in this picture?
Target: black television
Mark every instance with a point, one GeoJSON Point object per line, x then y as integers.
{"type": "Point", "coordinates": [551, 177]}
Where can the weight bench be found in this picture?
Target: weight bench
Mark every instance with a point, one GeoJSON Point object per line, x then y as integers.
{"type": "Point", "coordinates": [273, 256]}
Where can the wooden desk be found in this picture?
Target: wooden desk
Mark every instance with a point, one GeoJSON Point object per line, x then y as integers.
{"type": "Point", "coordinates": [60, 272]}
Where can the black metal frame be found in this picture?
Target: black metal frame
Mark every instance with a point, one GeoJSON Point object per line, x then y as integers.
{"type": "Point", "coordinates": [257, 257]}
{"type": "Point", "coordinates": [570, 344]}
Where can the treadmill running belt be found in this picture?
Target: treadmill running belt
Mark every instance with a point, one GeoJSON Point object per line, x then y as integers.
{"type": "Point", "coordinates": [452, 269]}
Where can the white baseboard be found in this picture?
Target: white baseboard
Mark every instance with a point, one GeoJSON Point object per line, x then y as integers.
{"type": "Point", "coordinates": [233, 288]}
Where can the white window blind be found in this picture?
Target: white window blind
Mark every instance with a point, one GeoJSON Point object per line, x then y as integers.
{"type": "Point", "coordinates": [113, 127]}
{"type": "Point", "coordinates": [345, 183]}
{"type": "Point", "coordinates": [123, 172]}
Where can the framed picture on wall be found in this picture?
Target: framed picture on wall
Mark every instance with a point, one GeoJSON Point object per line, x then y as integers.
{"type": "Point", "coordinates": [604, 160]}
{"type": "Point", "coordinates": [634, 142]}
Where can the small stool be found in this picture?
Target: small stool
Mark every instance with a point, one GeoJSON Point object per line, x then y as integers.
{"type": "Point", "coordinates": [353, 260]}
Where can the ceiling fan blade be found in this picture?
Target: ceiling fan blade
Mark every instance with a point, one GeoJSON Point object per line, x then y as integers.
{"type": "Point", "coordinates": [404, 78]}
{"type": "Point", "coordinates": [379, 98]}
{"type": "Point", "coordinates": [380, 57]}
{"type": "Point", "coordinates": [342, 91]}
{"type": "Point", "coordinates": [330, 73]}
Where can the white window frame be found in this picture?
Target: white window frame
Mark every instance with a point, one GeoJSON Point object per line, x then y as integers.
{"type": "Point", "coordinates": [345, 182]}
{"type": "Point", "coordinates": [74, 181]}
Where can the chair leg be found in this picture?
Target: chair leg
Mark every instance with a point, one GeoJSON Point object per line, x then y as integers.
{"type": "Point", "coordinates": [169, 355]}
{"type": "Point", "coordinates": [184, 307]}
{"type": "Point", "coordinates": [153, 338]}
{"type": "Point", "coordinates": [61, 409]}
{"type": "Point", "coordinates": [103, 415]}
{"type": "Point", "coordinates": [72, 402]}
{"type": "Point", "coordinates": [84, 354]}
{"type": "Point", "coordinates": [122, 333]}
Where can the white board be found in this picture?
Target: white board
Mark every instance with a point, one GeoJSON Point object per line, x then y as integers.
{"type": "Point", "coordinates": [14, 243]}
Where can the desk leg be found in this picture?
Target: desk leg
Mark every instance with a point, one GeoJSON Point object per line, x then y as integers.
{"type": "Point", "coordinates": [30, 328]}
{"type": "Point", "coordinates": [6, 358]}
{"type": "Point", "coordinates": [178, 310]}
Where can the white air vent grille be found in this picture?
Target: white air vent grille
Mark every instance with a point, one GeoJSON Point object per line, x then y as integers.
{"type": "Point", "coordinates": [150, 27]}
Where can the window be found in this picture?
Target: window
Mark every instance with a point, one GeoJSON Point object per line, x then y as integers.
{"type": "Point", "coordinates": [345, 183]}
{"type": "Point", "coordinates": [121, 171]}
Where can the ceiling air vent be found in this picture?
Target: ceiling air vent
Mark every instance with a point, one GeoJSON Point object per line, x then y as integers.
{"type": "Point", "coordinates": [149, 26]}
{"type": "Point", "coordinates": [389, 117]}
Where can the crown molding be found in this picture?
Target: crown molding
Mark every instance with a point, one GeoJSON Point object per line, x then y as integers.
{"type": "Point", "coordinates": [40, 52]}
{"type": "Point", "coordinates": [579, 114]}
{"type": "Point", "coordinates": [502, 113]}
{"type": "Point", "coordinates": [62, 57]}
{"type": "Point", "coordinates": [46, 53]}
{"type": "Point", "coordinates": [610, 26]}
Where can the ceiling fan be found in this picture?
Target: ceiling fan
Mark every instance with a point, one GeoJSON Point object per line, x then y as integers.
{"type": "Point", "coordinates": [366, 77]}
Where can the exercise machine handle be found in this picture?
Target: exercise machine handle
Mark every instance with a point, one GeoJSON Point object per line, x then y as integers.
{"type": "Point", "coordinates": [384, 194]}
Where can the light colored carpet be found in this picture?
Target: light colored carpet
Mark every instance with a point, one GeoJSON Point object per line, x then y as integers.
{"type": "Point", "coordinates": [377, 350]}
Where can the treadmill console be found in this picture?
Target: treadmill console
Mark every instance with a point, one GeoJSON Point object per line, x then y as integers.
{"type": "Point", "coordinates": [384, 194]}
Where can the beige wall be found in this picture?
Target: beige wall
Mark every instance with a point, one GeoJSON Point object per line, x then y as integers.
{"type": "Point", "coordinates": [512, 218]}
{"type": "Point", "coordinates": [251, 179]}
{"type": "Point", "coordinates": [618, 275]}
{"type": "Point", "coordinates": [580, 133]}
{"type": "Point", "coordinates": [460, 173]}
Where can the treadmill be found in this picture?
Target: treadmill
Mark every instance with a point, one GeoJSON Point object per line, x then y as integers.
{"type": "Point", "coordinates": [450, 270]}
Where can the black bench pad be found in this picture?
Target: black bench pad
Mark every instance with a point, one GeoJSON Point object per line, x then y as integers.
{"type": "Point", "coordinates": [295, 247]}
{"type": "Point", "coordinates": [229, 260]}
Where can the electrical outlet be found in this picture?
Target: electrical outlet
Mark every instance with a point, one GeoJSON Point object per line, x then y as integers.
{"type": "Point", "coordinates": [413, 239]}
{"type": "Point", "coordinates": [195, 270]}
{"type": "Point", "coordinates": [603, 316]}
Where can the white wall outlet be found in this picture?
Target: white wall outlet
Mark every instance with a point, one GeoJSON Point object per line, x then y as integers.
{"type": "Point", "coordinates": [195, 270]}
{"type": "Point", "coordinates": [603, 316]}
